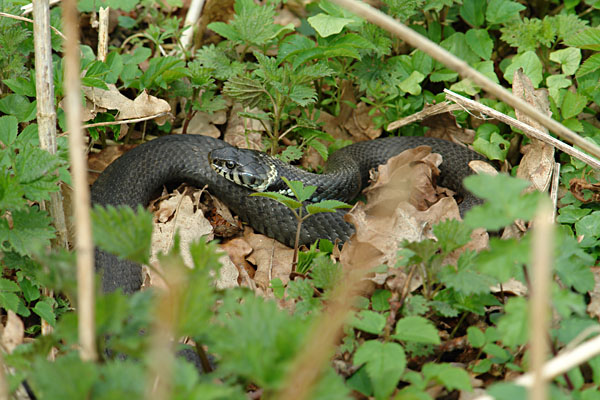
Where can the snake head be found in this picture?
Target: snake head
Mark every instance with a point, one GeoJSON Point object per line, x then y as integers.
{"type": "Point", "coordinates": [244, 167]}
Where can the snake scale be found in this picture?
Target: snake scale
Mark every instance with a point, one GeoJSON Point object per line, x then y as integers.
{"type": "Point", "coordinates": [139, 175]}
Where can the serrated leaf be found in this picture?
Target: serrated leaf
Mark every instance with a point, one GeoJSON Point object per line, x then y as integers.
{"type": "Point", "coordinates": [290, 203]}
{"type": "Point", "coordinates": [28, 232]}
{"type": "Point", "coordinates": [22, 86]}
{"type": "Point", "coordinates": [572, 105]}
{"type": "Point", "coordinates": [511, 325]}
{"type": "Point", "coordinates": [301, 192]}
{"type": "Point", "coordinates": [8, 129]}
{"type": "Point", "coordinates": [19, 106]}
{"type": "Point", "coordinates": [303, 95]}
{"type": "Point", "coordinates": [11, 193]}
{"type": "Point", "coordinates": [451, 234]}
{"type": "Point", "coordinates": [588, 39]}
{"type": "Point", "coordinates": [327, 25]}
{"type": "Point", "coordinates": [501, 11]}
{"type": "Point", "coordinates": [123, 231]}
{"type": "Point", "coordinates": [504, 260]}
{"type": "Point", "coordinates": [36, 170]}
{"type": "Point", "coordinates": [248, 91]}
{"type": "Point", "coordinates": [291, 153]}
{"type": "Point", "coordinates": [385, 363]}
{"type": "Point", "coordinates": [45, 311]}
{"type": "Point", "coordinates": [326, 206]}
{"type": "Point", "coordinates": [569, 59]}
{"type": "Point", "coordinates": [368, 321]}
{"type": "Point", "coordinates": [416, 329]}
{"type": "Point", "coordinates": [590, 65]}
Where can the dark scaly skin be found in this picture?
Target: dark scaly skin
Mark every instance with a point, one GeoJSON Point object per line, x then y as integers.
{"type": "Point", "coordinates": [137, 176]}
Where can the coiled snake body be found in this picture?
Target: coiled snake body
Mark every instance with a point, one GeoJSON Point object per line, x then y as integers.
{"type": "Point", "coordinates": [138, 175]}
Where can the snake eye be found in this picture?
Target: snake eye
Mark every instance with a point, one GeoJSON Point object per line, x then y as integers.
{"type": "Point", "coordinates": [230, 164]}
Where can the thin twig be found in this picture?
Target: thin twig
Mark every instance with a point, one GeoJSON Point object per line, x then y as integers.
{"type": "Point", "coordinates": [451, 61]}
{"type": "Point", "coordinates": [535, 133]}
{"type": "Point", "coordinates": [543, 246]}
{"type": "Point", "coordinates": [81, 202]}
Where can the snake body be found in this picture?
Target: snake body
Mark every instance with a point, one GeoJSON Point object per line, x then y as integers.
{"type": "Point", "coordinates": [139, 175]}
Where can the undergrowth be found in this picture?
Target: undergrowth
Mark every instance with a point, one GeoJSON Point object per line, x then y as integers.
{"type": "Point", "coordinates": [395, 345]}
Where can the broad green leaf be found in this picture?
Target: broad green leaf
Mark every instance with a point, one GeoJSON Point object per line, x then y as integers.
{"type": "Point", "coordinates": [588, 39]}
{"type": "Point", "coordinates": [385, 363]}
{"type": "Point", "coordinates": [412, 83]}
{"type": "Point", "coordinates": [590, 65]}
{"type": "Point", "coordinates": [572, 105]}
{"type": "Point", "coordinates": [475, 337]}
{"type": "Point", "coordinates": [11, 192]}
{"type": "Point", "coordinates": [489, 142]}
{"type": "Point", "coordinates": [22, 86]}
{"type": "Point", "coordinates": [555, 83]}
{"type": "Point", "coordinates": [123, 231]}
{"type": "Point", "coordinates": [504, 259]}
{"type": "Point", "coordinates": [501, 11]}
{"type": "Point", "coordinates": [463, 278]}
{"type": "Point", "coordinates": [380, 298]}
{"type": "Point", "coordinates": [589, 228]}
{"type": "Point", "coordinates": [451, 377]}
{"type": "Point", "coordinates": [422, 62]}
{"type": "Point", "coordinates": [416, 329]}
{"type": "Point", "coordinates": [571, 214]}
{"type": "Point", "coordinates": [45, 311]}
{"type": "Point", "coordinates": [480, 42]}
{"type": "Point", "coordinates": [368, 321]}
{"type": "Point", "coordinates": [531, 64]}
{"type": "Point", "coordinates": [573, 124]}
{"type": "Point", "coordinates": [8, 129]}
{"type": "Point", "coordinates": [451, 234]}
{"type": "Point", "coordinates": [443, 75]}
{"type": "Point", "coordinates": [457, 45]}
{"type": "Point", "coordinates": [569, 59]}
{"type": "Point", "coordinates": [250, 92]}
{"type": "Point", "coordinates": [36, 170]}
{"type": "Point", "coordinates": [473, 12]}
{"type": "Point", "coordinates": [8, 299]}
{"type": "Point", "coordinates": [19, 106]}
{"type": "Point", "coordinates": [283, 199]}
{"type": "Point", "coordinates": [47, 376]}
{"type": "Point", "coordinates": [326, 206]}
{"type": "Point", "coordinates": [327, 25]}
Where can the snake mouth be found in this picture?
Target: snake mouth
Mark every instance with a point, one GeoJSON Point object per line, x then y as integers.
{"type": "Point", "coordinates": [243, 167]}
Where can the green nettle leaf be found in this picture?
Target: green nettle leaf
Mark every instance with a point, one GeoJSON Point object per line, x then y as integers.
{"type": "Point", "coordinates": [291, 153]}
{"type": "Point", "coordinates": [123, 231]}
{"type": "Point", "coordinates": [8, 298]}
{"type": "Point", "coordinates": [326, 206]}
{"type": "Point", "coordinates": [303, 95]}
{"type": "Point", "coordinates": [480, 42]}
{"type": "Point", "coordinates": [368, 321]}
{"type": "Point", "coordinates": [417, 330]}
{"type": "Point", "coordinates": [45, 311]}
{"type": "Point", "coordinates": [531, 64]}
{"type": "Point", "coordinates": [250, 92]}
{"type": "Point", "coordinates": [504, 260]}
{"type": "Point", "coordinates": [513, 324]}
{"type": "Point", "coordinates": [283, 199]}
{"type": "Point", "coordinates": [572, 105]}
{"type": "Point", "coordinates": [327, 25]}
{"type": "Point", "coordinates": [505, 203]}
{"type": "Point", "coordinates": [529, 34]}
{"type": "Point", "coordinates": [380, 300]}
{"type": "Point", "coordinates": [8, 129]}
{"type": "Point", "coordinates": [22, 86]}
{"type": "Point", "coordinates": [385, 363]}
{"type": "Point", "coordinates": [45, 375]}
{"type": "Point", "coordinates": [473, 12]}
{"type": "Point", "coordinates": [489, 142]}
{"type": "Point", "coordinates": [451, 377]}
{"type": "Point", "coordinates": [463, 278]}
{"type": "Point", "coordinates": [588, 39]}
{"type": "Point", "coordinates": [301, 192]}
{"type": "Point", "coordinates": [451, 234]}
{"type": "Point", "coordinates": [19, 106]}
{"type": "Point", "coordinates": [411, 84]}
{"type": "Point", "coordinates": [27, 232]}
{"type": "Point", "coordinates": [501, 11]}
{"type": "Point", "coordinates": [590, 65]}
{"type": "Point", "coordinates": [11, 192]}
{"type": "Point", "coordinates": [37, 172]}
{"type": "Point", "coordinates": [569, 59]}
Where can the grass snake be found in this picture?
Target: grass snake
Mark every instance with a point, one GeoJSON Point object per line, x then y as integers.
{"type": "Point", "coordinates": [139, 175]}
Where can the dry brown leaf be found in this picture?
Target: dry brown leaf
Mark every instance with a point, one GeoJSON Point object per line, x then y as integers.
{"type": "Point", "coordinates": [13, 332]}
{"type": "Point", "coordinates": [204, 124]}
{"type": "Point", "coordinates": [360, 124]}
{"type": "Point", "coordinates": [593, 307]}
{"type": "Point", "coordinates": [177, 213]}
{"type": "Point", "coordinates": [272, 259]}
{"type": "Point", "coordinates": [538, 162]}
{"type": "Point", "coordinates": [577, 187]}
{"type": "Point", "coordinates": [143, 106]}
{"type": "Point", "coordinates": [238, 249]}
{"type": "Point", "coordinates": [243, 132]}
{"type": "Point", "coordinates": [444, 126]}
